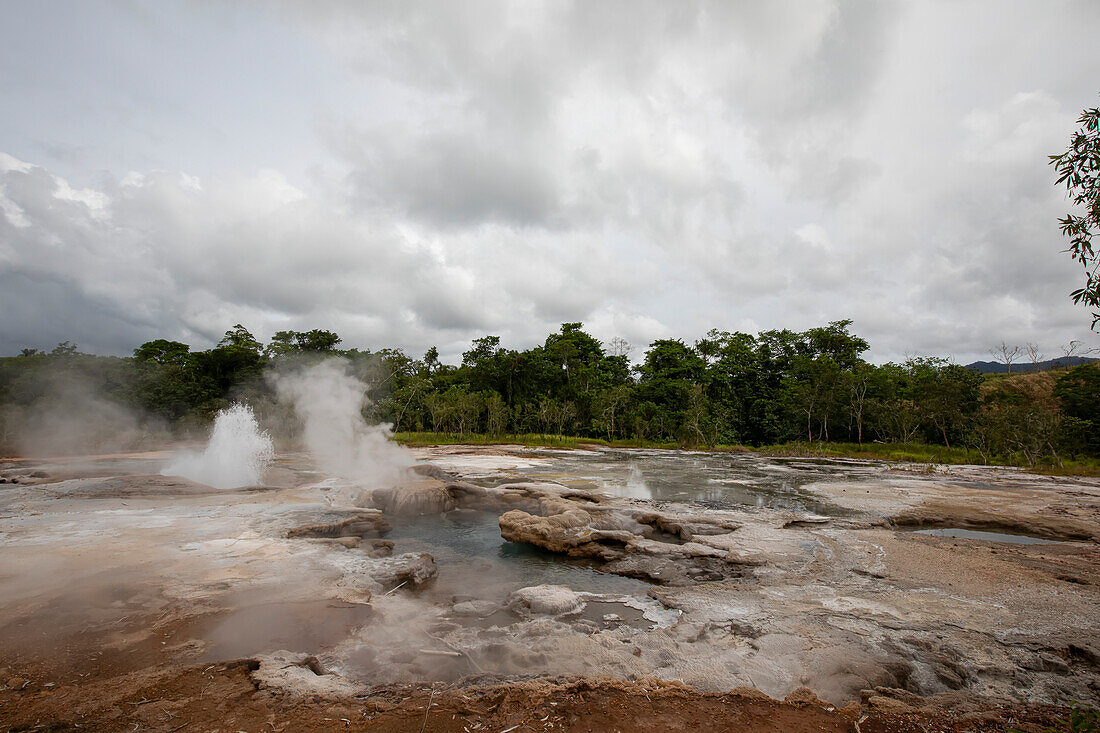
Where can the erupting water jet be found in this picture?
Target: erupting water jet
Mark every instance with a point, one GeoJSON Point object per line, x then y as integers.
{"type": "Point", "coordinates": [237, 454]}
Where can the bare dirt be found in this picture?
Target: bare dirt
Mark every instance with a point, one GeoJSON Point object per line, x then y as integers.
{"type": "Point", "coordinates": [226, 697]}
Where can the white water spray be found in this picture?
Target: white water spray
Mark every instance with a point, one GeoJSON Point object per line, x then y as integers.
{"type": "Point", "coordinates": [237, 454]}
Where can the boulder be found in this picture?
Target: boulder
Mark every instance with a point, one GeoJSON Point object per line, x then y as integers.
{"type": "Point", "coordinates": [578, 533]}
{"type": "Point", "coordinates": [569, 532]}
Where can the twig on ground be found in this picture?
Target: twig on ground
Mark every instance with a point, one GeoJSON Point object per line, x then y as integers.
{"type": "Point", "coordinates": [427, 710]}
{"type": "Point", "coordinates": [463, 652]}
{"type": "Point", "coordinates": [391, 590]}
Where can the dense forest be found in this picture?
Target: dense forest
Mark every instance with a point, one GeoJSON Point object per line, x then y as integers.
{"type": "Point", "coordinates": [726, 389]}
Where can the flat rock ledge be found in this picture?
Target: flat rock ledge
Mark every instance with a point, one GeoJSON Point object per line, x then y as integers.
{"type": "Point", "coordinates": [361, 523]}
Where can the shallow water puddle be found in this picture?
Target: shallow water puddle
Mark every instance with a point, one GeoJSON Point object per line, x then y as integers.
{"type": "Point", "coordinates": [474, 560]}
{"type": "Point", "coordinates": [710, 479]}
{"type": "Point", "coordinates": [609, 614]}
{"type": "Point", "coordinates": [974, 534]}
{"type": "Point", "coordinates": [307, 627]}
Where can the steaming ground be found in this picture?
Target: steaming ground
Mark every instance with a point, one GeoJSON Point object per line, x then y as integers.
{"type": "Point", "coordinates": [115, 576]}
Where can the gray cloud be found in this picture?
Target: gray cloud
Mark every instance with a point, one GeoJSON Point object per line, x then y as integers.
{"type": "Point", "coordinates": [410, 175]}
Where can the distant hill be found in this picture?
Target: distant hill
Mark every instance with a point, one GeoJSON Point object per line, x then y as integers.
{"type": "Point", "coordinates": [996, 367]}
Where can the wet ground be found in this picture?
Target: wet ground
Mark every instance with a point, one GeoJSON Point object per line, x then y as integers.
{"type": "Point", "coordinates": [707, 479]}
{"type": "Point", "coordinates": [977, 534]}
{"type": "Point", "coordinates": [852, 576]}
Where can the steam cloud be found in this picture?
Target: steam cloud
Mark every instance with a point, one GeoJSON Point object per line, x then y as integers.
{"type": "Point", "coordinates": [237, 454]}
{"type": "Point", "coordinates": [71, 415]}
{"type": "Point", "coordinates": [330, 403]}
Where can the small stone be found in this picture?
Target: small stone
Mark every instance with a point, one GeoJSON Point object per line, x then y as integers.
{"type": "Point", "coordinates": [348, 542]}
{"type": "Point", "coordinates": [15, 682]}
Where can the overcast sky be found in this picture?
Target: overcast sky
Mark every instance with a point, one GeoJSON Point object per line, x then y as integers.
{"type": "Point", "coordinates": [410, 174]}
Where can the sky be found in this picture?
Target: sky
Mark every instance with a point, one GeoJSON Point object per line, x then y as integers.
{"type": "Point", "coordinates": [418, 174]}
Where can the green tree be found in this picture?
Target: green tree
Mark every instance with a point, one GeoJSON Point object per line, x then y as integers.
{"type": "Point", "coordinates": [162, 351]}
{"type": "Point", "coordinates": [667, 379]}
{"type": "Point", "coordinates": [288, 342]}
{"type": "Point", "coordinates": [1078, 393]}
{"type": "Point", "coordinates": [239, 337]}
{"type": "Point", "coordinates": [835, 342]}
{"type": "Point", "coordinates": [431, 360]}
{"type": "Point", "coordinates": [734, 384]}
{"type": "Point", "coordinates": [812, 389]}
{"type": "Point", "coordinates": [318, 339]}
{"type": "Point", "coordinates": [65, 348]}
{"type": "Point", "coordinates": [1079, 169]}
{"type": "Point", "coordinates": [219, 374]}
{"type": "Point", "coordinates": [408, 401]}
{"type": "Point", "coordinates": [282, 342]}
{"type": "Point", "coordinates": [608, 408]}
{"type": "Point", "coordinates": [861, 384]}
{"type": "Point", "coordinates": [496, 414]}
{"type": "Point", "coordinates": [947, 395]}
{"type": "Point", "coordinates": [481, 350]}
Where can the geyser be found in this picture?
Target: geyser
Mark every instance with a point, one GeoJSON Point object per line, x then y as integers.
{"type": "Point", "coordinates": [329, 401]}
{"type": "Point", "coordinates": [237, 454]}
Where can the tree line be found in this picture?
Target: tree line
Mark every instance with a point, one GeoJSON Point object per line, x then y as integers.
{"type": "Point", "coordinates": [729, 388]}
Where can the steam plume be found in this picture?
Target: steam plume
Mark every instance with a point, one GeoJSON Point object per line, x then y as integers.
{"type": "Point", "coordinates": [330, 403]}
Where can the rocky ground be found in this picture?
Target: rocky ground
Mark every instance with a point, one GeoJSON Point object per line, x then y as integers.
{"type": "Point", "coordinates": [130, 600]}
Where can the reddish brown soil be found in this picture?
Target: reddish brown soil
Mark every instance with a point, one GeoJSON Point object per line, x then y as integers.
{"type": "Point", "coordinates": [224, 697]}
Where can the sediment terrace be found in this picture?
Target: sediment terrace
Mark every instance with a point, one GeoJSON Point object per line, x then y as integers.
{"type": "Point", "coordinates": [509, 586]}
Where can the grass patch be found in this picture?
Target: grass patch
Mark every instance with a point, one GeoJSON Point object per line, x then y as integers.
{"type": "Point", "coordinates": [925, 453]}
{"type": "Point", "coordinates": [900, 452]}
{"type": "Point", "coordinates": [894, 452]}
{"type": "Point", "coordinates": [542, 440]}
{"type": "Point", "coordinates": [530, 439]}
